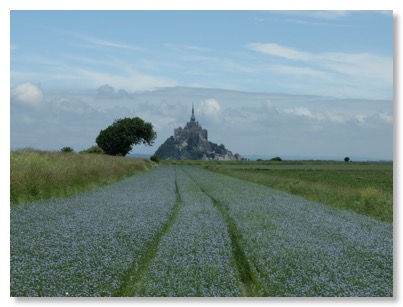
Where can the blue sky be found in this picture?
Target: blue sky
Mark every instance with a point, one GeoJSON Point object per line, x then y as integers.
{"type": "Point", "coordinates": [288, 83]}
{"type": "Point", "coordinates": [332, 53]}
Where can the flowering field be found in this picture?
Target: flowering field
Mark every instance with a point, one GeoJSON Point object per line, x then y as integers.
{"type": "Point", "coordinates": [85, 245]}
{"type": "Point", "coordinates": [184, 231]}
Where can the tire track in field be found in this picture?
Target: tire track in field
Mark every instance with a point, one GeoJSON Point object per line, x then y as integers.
{"type": "Point", "coordinates": [247, 275]}
{"type": "Point", "coordinates": [131, 281]}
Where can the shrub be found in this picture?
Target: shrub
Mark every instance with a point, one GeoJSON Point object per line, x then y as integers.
{"type": "Point", "coordinates": [93, 149]}
{"type": "Point", "coordinates": [155, 159]}
{"type": "Point", "coordinates": [276, 159]}
{"type": "Point", "coordinates": [67, 149]}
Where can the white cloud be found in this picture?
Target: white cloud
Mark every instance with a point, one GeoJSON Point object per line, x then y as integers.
{"type": "Point", "coordinates": [99, 42]}
{"type": "Point", "coordinates": [327, 14]}
{"type": "Point", "coordinates": [325, 23]}
{"type": "Point", "coordinates": [317, 18]}
{"type": "Point", "coordinates": [352, 74]}
{"type": "Point", "coordinates": [210, 109]}
{"type": "Point", "coordinates": [299, 111]}
{"type": "Point", "coordinates": [386, 118]}
{"type": "Point", "coordinates": [332, 117]}
{"type": "Point", "coordinates": [268, 104]}
{"type": "Point", "coordinates": [375, 119]}
{"type": "Point", "coordinates": [336, 117]}
{"type": "Point", "coordinates": [343, 62]}
{"type": "Point", "coordinates": [298, 71]}
{"type": "Point", "coordinates": [280, 51]}
{"type": "Point", "coordinates": [365, 65]}
{"type": "Point", "coordinates": [305, 112]}
{"type": "Point", "coordinates": [28, 94]}
{"type": "Point", "coordinates": [360, 118]}
{"type": "Point", "coordinates": [115, 45]}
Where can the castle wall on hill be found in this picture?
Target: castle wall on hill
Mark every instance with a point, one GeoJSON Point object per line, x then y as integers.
{"type": "Point", "coordinates": [192, 132]}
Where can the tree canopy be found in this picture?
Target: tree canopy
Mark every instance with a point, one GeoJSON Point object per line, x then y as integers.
{"type": "Point", "coordinates": [119, 138]}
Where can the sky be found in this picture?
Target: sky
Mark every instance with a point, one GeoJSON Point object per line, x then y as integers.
{"type": "Point", "coordinates": [310, 84]}
{"type": "Point", "coordinates": [332, 53]}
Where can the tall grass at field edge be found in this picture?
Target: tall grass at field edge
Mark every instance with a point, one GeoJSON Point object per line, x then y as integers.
{"type": "Point", "coordinates": [370, 201]}
{"type": "Point", "coordinates": [38, 175]}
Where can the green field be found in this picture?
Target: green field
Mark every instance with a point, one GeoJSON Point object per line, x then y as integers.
{"type": "Point", "coordinates": [361, 187]}
{"type": "Point", "coordinates": [38, 175]}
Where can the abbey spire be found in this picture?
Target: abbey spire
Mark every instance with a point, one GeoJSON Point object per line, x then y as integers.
{"type": "Point", "coordinates": [192, 118]}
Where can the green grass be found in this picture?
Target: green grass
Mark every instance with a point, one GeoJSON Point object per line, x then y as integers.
{"type": "Point", "coordinates": [362, 187]}
{"type": "Point", "coordinates": [38, 175]}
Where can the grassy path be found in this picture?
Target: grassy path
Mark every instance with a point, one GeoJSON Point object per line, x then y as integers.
{"type": "Point", "coordinates": [130, 282]}
{"type": "Point", "coordinates": [194, 257]}
{"type": "Point", "coordinates": [248, 279]}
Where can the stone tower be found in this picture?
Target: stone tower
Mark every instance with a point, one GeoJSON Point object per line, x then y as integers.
{"type": "Point", "coordinates": [192, 133]}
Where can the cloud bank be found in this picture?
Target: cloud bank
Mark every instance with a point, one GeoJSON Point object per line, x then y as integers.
{"type": "Point", "coordinates": [247, 123]}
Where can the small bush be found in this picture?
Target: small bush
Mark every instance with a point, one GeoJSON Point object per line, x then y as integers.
{"type": "Point", "coordinates": [276, 159]}
{"type": "Point", "coordinates": [155, 159]}
{"type": "Point", "coordinates": [67, 149]}
{"type": "Point", "coordinates": [93, 149]}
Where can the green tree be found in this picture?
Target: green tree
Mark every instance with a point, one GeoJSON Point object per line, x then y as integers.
{"type": "Point", "coordinates": [118, 139]}
{"type": "Point", "coordinates": [346, 159]}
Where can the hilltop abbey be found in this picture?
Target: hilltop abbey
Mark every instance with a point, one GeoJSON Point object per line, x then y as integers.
{"type": "Point", "coordinates": [191, 143]}
{"type": "Point", "coordinates": [192, 131]}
